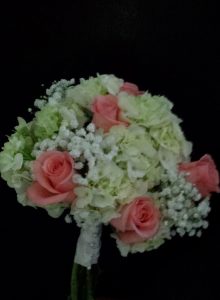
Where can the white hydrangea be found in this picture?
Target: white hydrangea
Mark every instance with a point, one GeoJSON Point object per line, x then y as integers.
{"type": "Point", "coordinates": [111, 83]}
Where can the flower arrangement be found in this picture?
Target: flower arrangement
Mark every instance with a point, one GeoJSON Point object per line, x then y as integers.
{"type": "Point", "coordinates": [102, 152]}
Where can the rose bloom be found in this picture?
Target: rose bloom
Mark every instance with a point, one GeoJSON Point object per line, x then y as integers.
{"type": "Point", "coordinates": [130, 88]}
{"type": "Point", "coordinates": [53, 171]}
{"type": "Point", "coordinates": [106, 112]}
{"type": "Point", "coordinates": [139, 221]}
{"type": "Point", "coordinates": [203, 174]}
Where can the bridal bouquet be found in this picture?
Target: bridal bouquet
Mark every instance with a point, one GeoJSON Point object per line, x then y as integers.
{"type": "Point", "coordinates": [104, 153]}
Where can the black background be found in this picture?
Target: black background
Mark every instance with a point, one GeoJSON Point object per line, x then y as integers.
{"type": "Point", "coordinates": [166, 47]}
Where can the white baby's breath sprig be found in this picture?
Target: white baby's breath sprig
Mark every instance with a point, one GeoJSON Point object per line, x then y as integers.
{"type": "Point", "coordinates": [183, 205]}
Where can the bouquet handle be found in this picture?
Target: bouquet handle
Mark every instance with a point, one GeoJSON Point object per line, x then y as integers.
{"type": "Point", "coordinates": [87, 254]}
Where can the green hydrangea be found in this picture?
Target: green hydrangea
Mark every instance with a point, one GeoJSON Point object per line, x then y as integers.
{"type": "Point", "coordinates": [111, 83]}
{"type": "Point", "coordinates": [112, 182]}
{"type": "Point", "coordinates": [47, 122]}
{"type": "Point", "coordinates": [84, 93]}
{"type": "Point", "coordinates": [108, 188]}
{"type": "Point", "coordinates": [149, 245]}
{"type": "Point", "coordinates": [81, 115]}
{"type": "Point", "coordinates": [171, 137]}
{"type": "Point", "coordinates": [9, 161]}
{"type": "Point", "coordinates": [146, 110]}
{"type": "Point", "coordinates": [18, 148]}
{"type": "Point", "coordinates": [136, 152]}
{"type": "Point", "coordinates": [17, 178]}
{"type": "Point", "coordinates": [55, 210]}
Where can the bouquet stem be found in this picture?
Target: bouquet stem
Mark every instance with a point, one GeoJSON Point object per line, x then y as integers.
{"type": "Point", "coordinates": [86, 256]}
{"type": "Point", "coordinates": [81, 283]}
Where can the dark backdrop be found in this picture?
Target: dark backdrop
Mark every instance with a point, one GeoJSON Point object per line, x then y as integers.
{"type": "Point", "coordinates": [167, 47]}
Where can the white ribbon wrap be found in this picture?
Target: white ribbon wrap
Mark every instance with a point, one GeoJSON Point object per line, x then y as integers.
{"type": "Point", "coordinates": [88, 245]}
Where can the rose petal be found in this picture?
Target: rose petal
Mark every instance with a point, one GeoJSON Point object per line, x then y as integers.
{"type": "Point", "coordinates": [130, 88]}
{"type": "Point", "coordinates": [107, 106]}
{"type": "Point", "coordinates": [106, 123]}
{"type": "Point", "coordinates": [66, 173]}
{"type": "Point", "coordinates": [120, 223]}
{"type": "Point", "coordinates": [41, 178]}
{"type": "Point", "coordinates": [40, 196]}
{"type": "Point", "coordinates": [130, 237]}
{"type": "Point", "coordinates": [148, 230]}
{"type": "Point", "coordinates": [65, 186]}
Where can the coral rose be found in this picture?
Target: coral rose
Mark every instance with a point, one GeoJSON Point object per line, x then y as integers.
{"type": "Point", "coordinates": [139, 221]}
{"type": "Point", "coordinates": [203, 174]}
{"type": "Point", "coordinates": [106, 112]}
{"type": "Point", "coordinates": [53, 171]}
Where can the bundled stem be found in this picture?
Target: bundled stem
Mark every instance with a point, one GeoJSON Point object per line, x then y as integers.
{"type": "Point", "coordinates": [81, 283]}
{"type": "Point", "coordinates": [86, 256]}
